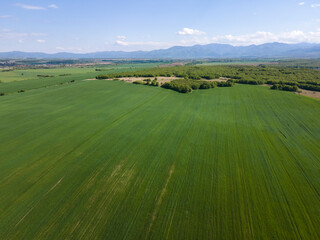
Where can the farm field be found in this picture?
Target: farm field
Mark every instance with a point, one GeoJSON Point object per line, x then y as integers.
{"type": "Point", "coordinates": [34, 78]}
{"type": "Point", "coordinates": [113, 160]}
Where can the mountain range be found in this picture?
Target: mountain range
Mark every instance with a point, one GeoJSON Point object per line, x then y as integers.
{"type": "Point", "coordinates": [267, 50]}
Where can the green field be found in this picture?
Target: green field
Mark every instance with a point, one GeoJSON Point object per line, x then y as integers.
{"type": "Point", "coordinates": [28, 79]}
{"type": "Point", "coordinates": [112, 160]}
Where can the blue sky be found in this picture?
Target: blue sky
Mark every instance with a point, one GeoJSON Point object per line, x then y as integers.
{"type": "Point", "coordinates": [97, 25]}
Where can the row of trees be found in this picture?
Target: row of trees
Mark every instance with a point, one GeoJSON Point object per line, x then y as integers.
{"type": "Point", "coordinates": [303, 78]}
{"type": "Point", "coordinates": [187, 85]}
{"type": "Point", "coordinates": [285, 87]}
{"type": "Point", "coordinates": [260, 74]}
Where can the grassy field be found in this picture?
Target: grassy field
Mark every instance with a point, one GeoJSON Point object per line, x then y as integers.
{"type": "Point", "coordinates": [112, 160]}
{"type": "Point", "coordinates": [27, 79]}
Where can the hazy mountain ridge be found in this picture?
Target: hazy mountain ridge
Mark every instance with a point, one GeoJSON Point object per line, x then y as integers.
{"type": "Point", "coordinates": [268, 50]}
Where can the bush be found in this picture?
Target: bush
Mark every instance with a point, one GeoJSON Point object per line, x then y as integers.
{"type": "Point", "coordinates": [205, 85]}
{"type": "Point", "coordinates": [225, 84]}
{"type": "Point", "coordinates": [139, 82]}
{"type": "Point", "coordinates": [2, 94]}
{"type": "Point", "coordinates": [72, 81]}
{"type": "Point", "coordinates": [102, 77]}
{"type": "Point", "coordinates": [251, 82]}
{"type": "Point", "coordinates": [21, 91]}
{"type": "Point", "coordinates": [67, 74]}
{"type": "Point", "coordinates": [284, 87]}
{"type": "Point", "coordinates": [148, 81]}
{"type": "Point", "coordinates": [184, 89]}
{"type": "Point", "coordinates": [40, 75]}
{"type": "Point", "coordinates": [310, 87]}
{"type": "Point", "coordinates": [154, 83]}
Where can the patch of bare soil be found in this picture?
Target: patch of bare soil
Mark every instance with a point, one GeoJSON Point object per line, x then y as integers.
{"type": "Point", "coordinates": [173, 64]}
{"type": "Point", "coordinates": [161, 80]}
{"type": "Point", "coordinates": [308, 93]}
{"type": "Point", "coordinates": [221, 79]}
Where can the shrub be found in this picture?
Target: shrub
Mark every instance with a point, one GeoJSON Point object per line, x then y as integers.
{"type": "Point", "coordinates": [225, 84]}
{"type": "Point", "coordinates": [148, 81]}
{"type": "Point", "coordinates": [154, 83]}
{"type": "Point", "coordinates": [310, 87]}
{"type": "Point", "coordinates": [66, 74]}
{"type": "Point", "coordinates": [41, 75]}
{"type": "Point", "coordinates": [139, 82]}
{"type": "Point", "coordinates": [21, 91]}
{"type": "Point", "coordinates": [284, 87]}
{"type": "Point", "coordinates": [205, 85]}
{"type": "Point", "coordinates": [251, 82]}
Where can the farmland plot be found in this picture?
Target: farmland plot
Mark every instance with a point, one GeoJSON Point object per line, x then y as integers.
{"type": "Point", "coordinates": [111, 160]}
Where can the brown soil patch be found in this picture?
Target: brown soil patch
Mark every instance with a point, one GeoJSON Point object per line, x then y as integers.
{"type": "Point", "coordinates": [161, 80]}
{"type": "Point", "coordinates": [173, 64]}
{"type": "Point", "coordinates": [308, 93]}
{"type": "Point", "coordinates": [221, 79]}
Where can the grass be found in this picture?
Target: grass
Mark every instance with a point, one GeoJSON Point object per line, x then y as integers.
{"type": "Point", "coordinates": [112, 160]}
{"type": "Point", "coordinates": [13, 81]}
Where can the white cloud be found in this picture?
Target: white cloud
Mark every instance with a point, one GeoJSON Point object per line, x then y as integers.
{"type": "Point", "coordinates": [122, 43]}
{"type": "Point", "coordinates": [53, 6]}
{"type": "Point", "coordinates": [190, 31]}
{"type": "Point", "coordinates": [29, 7]}
{"type": "Point", "coordinates": [315, 5]}
{"type": "Point", "coordinates": [20, 41]}
{"type": "Point", "coordinates": [41, 41]}
{"type": "Point", "coordinates": [301, 3]}
{"type": "Point", "coordinates": [295, 36]}
{"type": "Point", "coordinates": [60, 48]}
{"type": "Point", "coordinates": [9, 34]}
{"type": "Point", "coordinates": [122, 38]}
{"type": "Point", "coordinates": [145, 44]}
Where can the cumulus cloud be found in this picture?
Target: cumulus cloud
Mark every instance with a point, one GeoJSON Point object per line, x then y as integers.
{"type": "Point", "coordinates": [41, 41]}
{"type": "Point", "coordinates": [70, 49]}
{"type": "Point", "coordinates": [190, 31]}
{"type": "Point", "coordinates": [301, 3]}
{"type": "Point", "coordinates": [53, 6]}
{"type": "Point", "coordinates": [122, 38]}
{"type": "Point", "coordinates": [315, 5]}
{"type": "Point", "coordinates": [122, 43]}
{"type": "Point", "coordinates": [295, 36]}
{"type": "Point", "coordinates": [28, 7]}
{"type": "Point", "coordinates": [147, 43]}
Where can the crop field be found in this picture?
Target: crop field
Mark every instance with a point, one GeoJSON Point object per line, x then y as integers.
{"type": "Point", "coordinates": [113, 160]}
{"type": "Point", "coordinates": [34, 78]}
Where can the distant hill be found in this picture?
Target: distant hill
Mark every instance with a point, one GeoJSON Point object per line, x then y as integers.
{"type": "Point", "coordinates": [268, 50]}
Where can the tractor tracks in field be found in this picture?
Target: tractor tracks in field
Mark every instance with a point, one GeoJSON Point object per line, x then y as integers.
{"type": "Point", "coordinates": [97, 132]}
{"type": "Point", "coordinates": [158, 203]}
{"type": "Point", "coordinates": [53, 187]}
